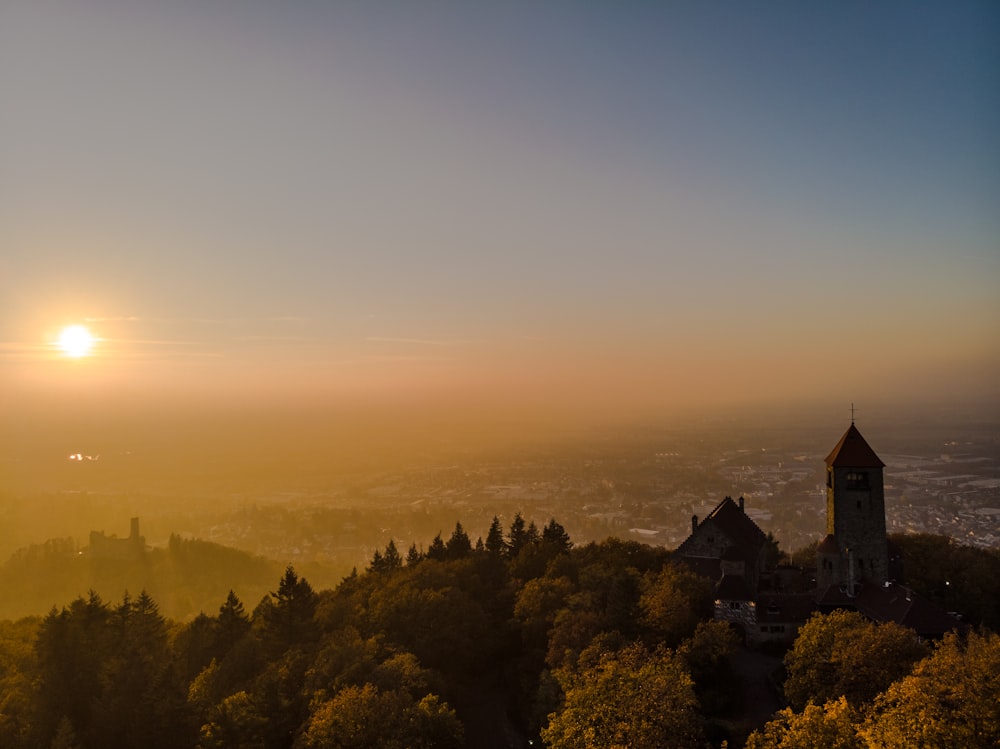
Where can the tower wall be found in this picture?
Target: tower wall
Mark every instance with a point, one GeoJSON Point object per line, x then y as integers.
{"type": "Point", "coordinates": [856, 519]}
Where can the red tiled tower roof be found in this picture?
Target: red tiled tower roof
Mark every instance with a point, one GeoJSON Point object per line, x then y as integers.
{"type": "Point", "coordinates": [853, 452]}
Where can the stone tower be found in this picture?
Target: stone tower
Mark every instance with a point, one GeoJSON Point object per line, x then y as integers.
{"type": "Point", "coordinates": [855, 548]}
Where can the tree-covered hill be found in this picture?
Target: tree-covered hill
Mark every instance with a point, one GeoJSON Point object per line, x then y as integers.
{"type": "Point", "coordinates": [518, 637]}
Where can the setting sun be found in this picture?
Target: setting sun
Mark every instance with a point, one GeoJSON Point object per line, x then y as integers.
{"type": "Point", "coordinates": [75, 341]}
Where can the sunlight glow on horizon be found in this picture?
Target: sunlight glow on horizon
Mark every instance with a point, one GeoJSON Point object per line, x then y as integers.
{"type": "Point", "coordinates": [75, 341]}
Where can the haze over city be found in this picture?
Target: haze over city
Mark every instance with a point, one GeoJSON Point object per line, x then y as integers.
{"type": "Point", "coordinates": [499, 374]}
{"type": "Point", "coordinates": [449, 222]}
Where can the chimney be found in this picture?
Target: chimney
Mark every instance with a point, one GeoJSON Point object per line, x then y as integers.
{"type": "Point", "coordinates": [135, 528]}
{"type": "Point", "coordinates": [741, 504]}
{"type": "Point", "coordinates": [694, 523]}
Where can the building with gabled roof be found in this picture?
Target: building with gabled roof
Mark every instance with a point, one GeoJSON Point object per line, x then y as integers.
{"type": "Point", "coordinates": [728, 541]}
{"type": "Point", "coordinates": [730, 548]}
{"type": "Point", "coordinates": [853, 559]}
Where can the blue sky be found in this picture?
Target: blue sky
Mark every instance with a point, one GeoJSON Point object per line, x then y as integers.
{"type": "Point", "coordinates": [609, 206]}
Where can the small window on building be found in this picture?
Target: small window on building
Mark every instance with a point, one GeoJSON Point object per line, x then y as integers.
{"type": "Point", "coordinates": [857, 480]}
{"type": "Point", "coordinates": [734, 604]}
{"type": "Point", "coordinates": [763, 628]}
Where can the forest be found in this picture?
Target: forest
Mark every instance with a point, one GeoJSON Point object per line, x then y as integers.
{"type": "Point", "coordinates": [520, 638]}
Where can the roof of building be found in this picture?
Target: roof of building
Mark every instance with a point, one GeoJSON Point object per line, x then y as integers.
{"type": "Point", "coordinates": [853, 452]}
{"type": "Point", "coordinates": [828, 545]}
{"type": "Point", "coordinates": [901, 605]}
{"type": "Point", "coordinates": [733, 588]}
{"type": "Point", "coordinates": [892, 603]}
{"type": "Point", "coordinates": [745, 535]}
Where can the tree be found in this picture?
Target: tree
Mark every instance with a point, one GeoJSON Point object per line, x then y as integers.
{"type": "Point", "coordinates": [632, 698]}
{"type": "Point", "coordinates": [18, 681]}
{"type": "Point", "coordinates": [143, 699]}
{"type": "Point", "coordinates": [495, 545]}
{"type": "Point", "coordinates": [556, 537]}
{"type": "Point", "coordinates": [458, 546]}
{"type": "Point", "coordinates": [673, 602]}
{"type": "Point", "coordinates": [773, 555]}
{"type": "Point", "coordinates": [517, 538]}
{"type": "Point", "coordinates": [830, 726]}
{"type": "Point", "coordinates": [288, 621]}
{"type": "Point", "coordinates": [233, 622]}
{"type": "Point", "coordinates": [391, 558]}
{"type": "Point", "coordinates": [236, 721]}
{"type": "Point", "coordinates": [413, 555]}
{"type": "Point", "coordinates": [951, 699]}
{"type": "Point", "coordinates": [537, 604]}
{"type": "Point", "coordinates": [363, 717]}
{"type": "Point", "coordinates": [708, 656]}
{"type": "Point", "coordinates": [387, 561]}
{"type": "Point", "coordinates": [437, 549]}
{"type": "Point", "coordinates": [843, 654]}
{"type": "Point", "coordinates": [71, 648]}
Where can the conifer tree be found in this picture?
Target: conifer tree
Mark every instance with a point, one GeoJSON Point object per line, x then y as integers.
{"type": "Point", "coordinates": [495, 545]}
{"type": "Point", "coordinates": [517, 538]}
{"type": "Point", "coordinates": [437, 549]}
{"type": "Point", "coordinates": [458, 545]}
{"type": "Point", "coordinates": [413, 555]}
{"type": "Point", "coordinates": [391, 558]}
{"type": "Point", "coordinates": [555, 536]}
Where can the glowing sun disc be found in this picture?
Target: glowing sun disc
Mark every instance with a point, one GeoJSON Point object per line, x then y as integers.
{"type": "Point", "coordinates": [75, 341]}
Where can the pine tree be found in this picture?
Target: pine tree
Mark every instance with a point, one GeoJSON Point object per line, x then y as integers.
{"type": "Point", "coordinates": [495, 545]}
{"type": "Point", "coordinates": [391, 558]}
{"type": "Point", "coordinates": [517, 538]}
{"type": "Point", "coordinates": [437, 549]}
{"type": "Point", "coordinates": [555, 536]}
{"type": "Point", "coordinates": [458, 545]}
{"type": "Point", "coordinates": [413, 556]}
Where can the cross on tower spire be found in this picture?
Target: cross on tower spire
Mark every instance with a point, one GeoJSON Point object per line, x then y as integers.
{"type": "Point", "coordinates": [852, 412]}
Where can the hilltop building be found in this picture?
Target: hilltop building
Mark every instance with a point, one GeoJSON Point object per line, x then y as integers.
{"type": "Point", "coordinates": [112, 547]}
{"type": "Point", "coordinates": [855, 569]}
{"type": "Point", "coordinates": [855, 548]}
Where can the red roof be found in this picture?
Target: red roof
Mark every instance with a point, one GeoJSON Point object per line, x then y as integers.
{"type": "Point", "coordinates": [853, 452]}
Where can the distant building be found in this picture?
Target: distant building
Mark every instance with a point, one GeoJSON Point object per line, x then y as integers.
{"type": "Point", "coordinates": [112, 547]}
{"type": "Point", "coordinates": [854, 561]}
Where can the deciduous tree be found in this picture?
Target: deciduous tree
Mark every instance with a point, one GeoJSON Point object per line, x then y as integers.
{"type": "Point", "coordinates": [632, 698]}
{"type": "Point", "coordinates": [830, 726]}
{"type": "Point", "coordinates": [844, 654]}
{"type": "Point", "coordinates": [951, 700]}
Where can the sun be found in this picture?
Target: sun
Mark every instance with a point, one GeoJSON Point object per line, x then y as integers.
{"type": "Point", "coordinates": [75, 341]}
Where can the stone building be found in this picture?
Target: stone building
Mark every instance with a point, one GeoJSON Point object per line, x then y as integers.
{"type": "Point", "coordinates": [855, 548]}
{"type": "Point", "coordinates": [853, 560]}
{"type": "Point", "coordinates": [112, 547]}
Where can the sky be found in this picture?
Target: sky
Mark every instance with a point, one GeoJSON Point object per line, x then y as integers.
{"type": "Point", "coordinates": [519, 213]}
